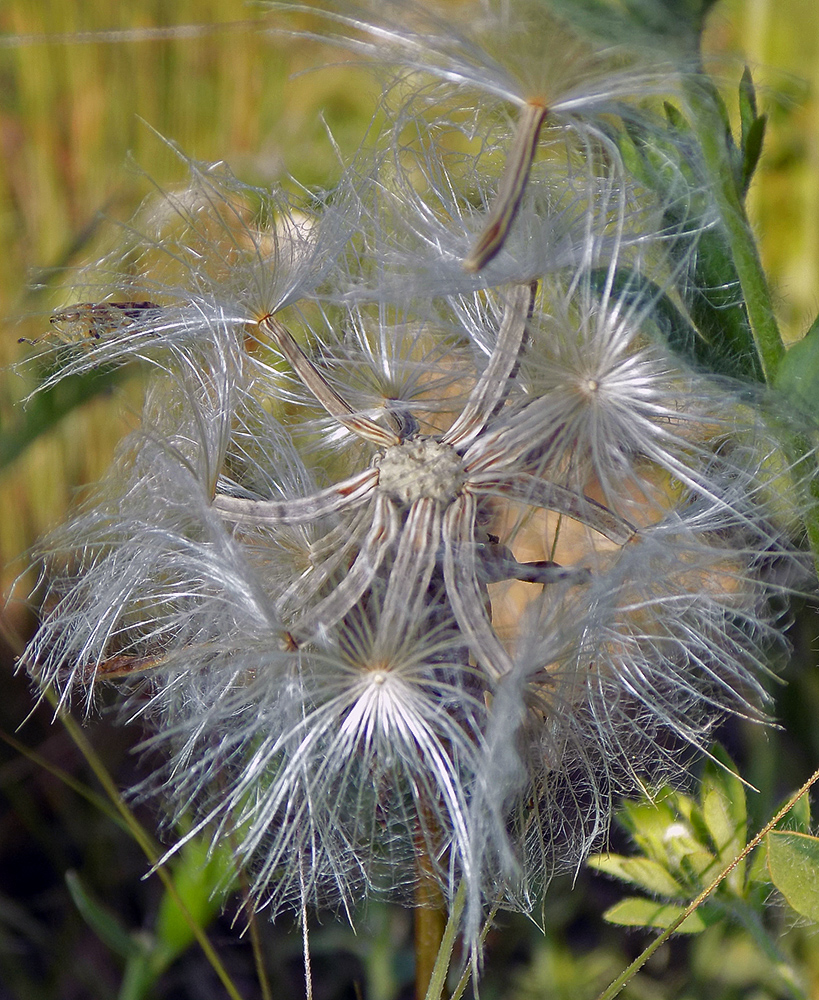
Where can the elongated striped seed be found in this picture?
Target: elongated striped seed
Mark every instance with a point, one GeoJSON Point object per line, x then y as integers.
{"type": "Point", "coordinates": [510, 191]}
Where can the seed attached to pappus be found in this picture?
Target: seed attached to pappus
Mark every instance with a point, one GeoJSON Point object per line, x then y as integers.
{"type": "Point", "coordinates": [89, 321]}
{"type": "Point", "coordinates": [510, 191]}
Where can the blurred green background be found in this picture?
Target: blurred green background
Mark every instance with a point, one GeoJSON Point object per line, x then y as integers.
{"type": "Point", "coordinates": [73, 112]}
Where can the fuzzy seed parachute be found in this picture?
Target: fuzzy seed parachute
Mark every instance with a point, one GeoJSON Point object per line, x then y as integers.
{"type": "Point", "coordinates": [411, 570]}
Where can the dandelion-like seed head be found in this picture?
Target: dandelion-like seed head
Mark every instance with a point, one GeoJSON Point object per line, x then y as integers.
{"type": "Point", "coordinates": [429, 545]}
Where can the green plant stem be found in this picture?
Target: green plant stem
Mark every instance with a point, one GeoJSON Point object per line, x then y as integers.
{"type": "Point", "coordinates": [430, 905]}
{"type": "Point", "coordinates": [628, 974]}
{"type": "Point", "coordinates": [140, 975]}
{"type": "Point", "coordinates": [710, 129]}
{"type": "Point", "coordinates": [99, 802]}
{"type": "Point", "coordinates": [256, 943]}
{"type": "Point", "coordinates": [252, 922]}
{"type": "Point", "coordinates": [440, 969]}
{"type": "Point", "coordinates": [430, 928]}
{"type": "Point", "coordinates": [749, 919]}
{"type": "Point", "coordinates": [145, 842]}
{"type": "Point", "coordinates": [463, 982]}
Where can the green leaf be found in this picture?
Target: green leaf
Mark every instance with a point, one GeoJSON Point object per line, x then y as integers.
{"type": "Point", "coordinates": [49, 406]}
{"type": "Point", "coordinates": [757, 870]}
{"type": "Point", "coordinates": [798, 373]}
{"type": "Point", "coordinates": [724, 812]}
{"type": "Point", "coordinates": [670, 25]}
{"type": "Point", "coordinates": [630, 153]}
{"type": "Point", "coordinates": [797, 819]}
{"type": "Point", "coordinates": [648, 822]}
{"type": "Point", "coordinates": [747, 102]}
{"type": "Point", "coordinates": [752, 150]}
{"type": "Point", "coordinates": [202, 879]}
{"type": "Point", "coordinates": [676, 119]}
{"type": "Point", "coordinates": [707, 282]}
{"type": "Point", "coordinates": [695, 864]}
{"type": "Point", "coordinates": [642, 872]}
{"type": "Point", "coordinates": [752, 130]}
{"type": "Point", "coordinates": [104, 922]}
{"type": "Point", "coordinates": [714, 300]}
{"type": "Point", "coordinates": [669, 322]}
{"type": "Point", "coordinates": [663, 156]}
{"type": "Point", "coordinates": [638, 912]}
{"type": "Point", "coordinates": [793, 861]}
{"type": "Point", "coordinates": [706, 276]}
{"type": "Point", "coordinates": [140, 975]}
{"type": "Point", "coordinates": [707, 84]}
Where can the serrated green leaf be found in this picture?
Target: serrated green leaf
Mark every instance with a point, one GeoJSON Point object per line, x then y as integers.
{"type": "Point", "coordinates": [793, 862]}
{"type": "Point", "coordinates": [103, 921]}
{"type": "Point", "coordinates": [798, 373]}
{"type": "Point", "coordinates": [638, 912]}
{"type": "Point", "coordinates": [641, 872]}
